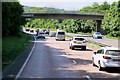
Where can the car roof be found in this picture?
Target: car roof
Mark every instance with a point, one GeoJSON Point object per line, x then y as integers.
{"type": "Point", "coordinates": [77, 37]}
{"type": "Point", "coordinates": [110, 48]}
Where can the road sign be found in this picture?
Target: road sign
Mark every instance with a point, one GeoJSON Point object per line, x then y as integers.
{"type": "Point", "coordinates": [62, 27]}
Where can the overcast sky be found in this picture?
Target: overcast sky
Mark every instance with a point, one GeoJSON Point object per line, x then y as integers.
{"type": "Point", "coordinates": [62, 4]}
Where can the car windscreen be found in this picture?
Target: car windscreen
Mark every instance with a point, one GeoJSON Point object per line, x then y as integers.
{"type": "Point", "coordinates": [43, 30]}
{"type": "Point", "coordinates": [79, 39]}
{"type": "Point", "coordinates": [61, 33]}
{"type": "Point", "coordinates": [41, 33]}
{"type": "Point", "coordinates": [97, 33]}
{"type": "Point", "coordinates": [113, 52]}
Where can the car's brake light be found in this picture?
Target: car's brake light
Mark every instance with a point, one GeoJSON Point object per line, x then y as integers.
{"type": "Point", "coordinates": [84, 41]}
{"type": "Point", "coordinates": [74, 41]}
{"type": "Point", "coordinates": [106, 57]}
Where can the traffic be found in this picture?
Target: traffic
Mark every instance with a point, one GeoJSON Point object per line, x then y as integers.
{"type": "Point", "coordinates": [70, 58]}
{"type": "Point", "coordinates": [105, 57]}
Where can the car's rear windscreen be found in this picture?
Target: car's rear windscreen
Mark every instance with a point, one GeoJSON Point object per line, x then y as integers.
{"type": "Point", "coordinates": [41, 33]}
{"type": "Point", "coordinates": [79, 39]}
{"type": "Point", "coordinates": [61, 33]}
{"type": "Point", "coordinates": [113, 52]}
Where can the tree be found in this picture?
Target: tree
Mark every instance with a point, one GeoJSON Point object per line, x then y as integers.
{"type": "Point", "coordinates": [110, 22]}
{"type": "Point", "coordinates": [11, 18]}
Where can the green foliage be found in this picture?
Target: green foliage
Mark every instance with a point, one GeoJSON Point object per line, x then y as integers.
{"type": "Point", "coordinates": [11, 18]}
{"type": "Point", "coordinates": [111, 22]}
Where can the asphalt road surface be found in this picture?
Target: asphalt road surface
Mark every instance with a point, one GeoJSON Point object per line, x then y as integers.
{"type": "Point", "coordinates": [54, 59]}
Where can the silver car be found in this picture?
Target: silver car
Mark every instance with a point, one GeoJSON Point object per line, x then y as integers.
{"type": "Point", "coordinates": [52, 34]}
{"type": "Point", "coordinates": [97, 35]}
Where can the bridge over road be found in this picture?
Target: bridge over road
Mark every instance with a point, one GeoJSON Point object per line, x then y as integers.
{"type": "Point", "coordinates": [67, 15]}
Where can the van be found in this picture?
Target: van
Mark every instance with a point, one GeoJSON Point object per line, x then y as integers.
{"type": "Point", "coordinates": [60, 35]}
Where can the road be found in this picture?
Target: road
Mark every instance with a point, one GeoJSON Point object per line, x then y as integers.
{"type": "Point", "coordinates": [54, 59]}
{"type": "Point", "coordinates": [106, 41]}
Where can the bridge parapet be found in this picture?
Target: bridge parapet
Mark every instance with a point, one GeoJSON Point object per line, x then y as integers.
{"type": "Point", "coordinates": [65, 12]}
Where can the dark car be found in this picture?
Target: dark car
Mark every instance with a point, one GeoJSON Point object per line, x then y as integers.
{"type": "Point", "coordinates": [47, 31]}
{"type": "Point", "coordinates": [31, 31]}
{"type": "Point", "coordinates": [28, 29]}
{"type": "Point", "coordinates": [44, 30]}
{"type": "Point", "coordinates": [41, 35]}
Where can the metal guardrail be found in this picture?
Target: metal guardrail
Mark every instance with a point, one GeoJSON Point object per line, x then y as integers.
{"type": "Point", "coordinates": [65, 12]}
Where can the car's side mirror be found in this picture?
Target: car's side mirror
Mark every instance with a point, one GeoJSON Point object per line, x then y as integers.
{"type": "Point", "coordinates": [95, 53]}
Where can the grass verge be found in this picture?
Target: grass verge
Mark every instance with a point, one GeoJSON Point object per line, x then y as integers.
{"type": "Point", "coordinates": [12, 46]}
{"type": "Point", "coordinates": [93, 45]}
{"type": "Point", "coordinates": [108, 36]}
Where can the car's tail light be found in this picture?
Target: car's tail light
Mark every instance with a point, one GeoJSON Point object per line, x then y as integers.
{"type": "Point", "coordinates": [74, 41]}
{"type": "Point", "coordinates": [57, 35]}
{"type": "Point", "coordinates": [84, 41]}
{"type": "Point", "coordinates": [106, 57]}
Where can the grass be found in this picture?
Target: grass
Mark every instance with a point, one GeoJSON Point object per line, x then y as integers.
{"type": "Point", "coordinates": [93, 45]}
{"type": "Point", "coordinates": [110, 37]}
{"type": "Point", "coordinates": [12, 46]}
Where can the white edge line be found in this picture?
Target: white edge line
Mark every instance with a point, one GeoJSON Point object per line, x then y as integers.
{"type": "Point", "coordinates": [74, 61]}
{"type": "Point", "coordinates": [88, 77]}
{"type": "Point", "coordinates": [21, 70]}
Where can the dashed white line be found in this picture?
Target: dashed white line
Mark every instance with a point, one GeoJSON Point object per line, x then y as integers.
{"type": "Point", "coordinates": [21, 70]}
{"type": "Point", "coordinates": [74, 61]}
{"type": "Point", "coordinates": [88, 77]}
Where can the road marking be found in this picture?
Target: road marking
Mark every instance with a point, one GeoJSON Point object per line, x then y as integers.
{"type": "Point", "coordinates": [74, 61]}
{"type": "Point", "coordinates": [21, 70]}
{"type": "Point", "coordinates": [88, 77]}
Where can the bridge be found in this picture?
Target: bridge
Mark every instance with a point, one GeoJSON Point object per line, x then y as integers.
{"type": "Point", "coordinates": [66, 15]}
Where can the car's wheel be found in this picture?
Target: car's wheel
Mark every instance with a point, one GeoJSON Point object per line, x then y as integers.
{"type": "Point", "coordinates": [84, 48]}
{"type": "Point", "coordinates": [72, 48]}
{"type": "Point", "coordinates": [56, 39]}
{"type": "Point", "coordinates": [93, 62]}
{"type": "Point", "coordinates": [63, 39]}
{"type": "Point", "coordinates": [99, 66]}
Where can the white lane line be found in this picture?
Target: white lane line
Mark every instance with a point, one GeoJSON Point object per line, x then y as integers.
{"type": "Point", "coordinates": [21, 70]}
{"type": "Point", "coordinates": [74, 61]}
{"type": "Point", "coordinates": [88, 77]}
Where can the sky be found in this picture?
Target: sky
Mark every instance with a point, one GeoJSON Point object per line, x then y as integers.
{"type": "Point", "coordinates": [63, 4]}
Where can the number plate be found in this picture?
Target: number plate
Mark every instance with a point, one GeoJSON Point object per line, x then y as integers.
{"type": "Point", "coordinates": [116, 60]}
{"type": "Point", "coordinates": [79, 43]}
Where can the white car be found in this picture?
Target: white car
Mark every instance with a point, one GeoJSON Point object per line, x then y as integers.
{"type": "Point", "coordinates": [60, 35]}
{"type": "Point", "coordinates": [41, 35]}
{"type": "Point", "coordinates": [78, 42]}
{"type": "Point", "coordinates": [97, 35]}
{"type": "Point", "coordinates": [106, 57]}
